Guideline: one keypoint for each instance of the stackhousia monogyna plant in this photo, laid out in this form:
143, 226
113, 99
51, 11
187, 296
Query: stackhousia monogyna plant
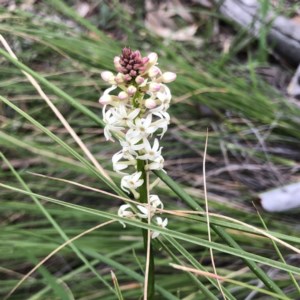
135, 111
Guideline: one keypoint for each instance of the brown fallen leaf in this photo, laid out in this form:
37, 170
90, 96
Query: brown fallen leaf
160, 20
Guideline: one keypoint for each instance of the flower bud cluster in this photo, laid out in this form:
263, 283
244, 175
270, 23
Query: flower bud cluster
135, 111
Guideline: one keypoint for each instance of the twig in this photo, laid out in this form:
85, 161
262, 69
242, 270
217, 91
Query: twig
207, 217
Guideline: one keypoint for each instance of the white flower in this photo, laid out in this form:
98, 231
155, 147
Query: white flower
144, 212
111, 124
150, 153
141, 127
168, 77
162, 223
131, 145
132, 182
163, 122
163, 99
154, 204
122, 116
163, 115
157, 164
119, 165
106, 98
125, 212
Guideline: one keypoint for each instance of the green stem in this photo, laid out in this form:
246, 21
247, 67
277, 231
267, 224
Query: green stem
143, 191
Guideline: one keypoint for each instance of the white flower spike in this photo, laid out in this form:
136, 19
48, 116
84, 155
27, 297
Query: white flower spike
135, 111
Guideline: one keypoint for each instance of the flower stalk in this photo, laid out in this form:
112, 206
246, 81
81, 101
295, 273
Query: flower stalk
135, 111
144, 198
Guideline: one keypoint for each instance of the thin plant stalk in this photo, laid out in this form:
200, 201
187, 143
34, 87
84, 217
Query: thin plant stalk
207, 216
144, 198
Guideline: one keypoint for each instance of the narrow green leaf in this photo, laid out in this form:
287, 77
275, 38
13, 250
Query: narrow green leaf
54, 223
60, 291
226, 237
57, 91
65, 146
117, 287
129, 272
181, 236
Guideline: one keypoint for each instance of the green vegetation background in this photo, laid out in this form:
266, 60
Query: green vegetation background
253, 145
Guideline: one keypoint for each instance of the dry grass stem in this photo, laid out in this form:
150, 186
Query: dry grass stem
258, 230
54, 252
179, 213
207, 216
58, 114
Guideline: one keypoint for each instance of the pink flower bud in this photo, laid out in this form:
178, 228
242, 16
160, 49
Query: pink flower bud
152, 58
154, 87
107, 76
139, 80
117, 64
105, 99
168, 77
145, 60
119, 78
117, 61
127, 77
154, 71
150, 103
123, 95
131, 90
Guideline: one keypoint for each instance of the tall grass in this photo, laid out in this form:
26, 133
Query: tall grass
253, 135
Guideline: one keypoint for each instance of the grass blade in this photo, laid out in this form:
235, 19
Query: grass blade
226, 237
181, 236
